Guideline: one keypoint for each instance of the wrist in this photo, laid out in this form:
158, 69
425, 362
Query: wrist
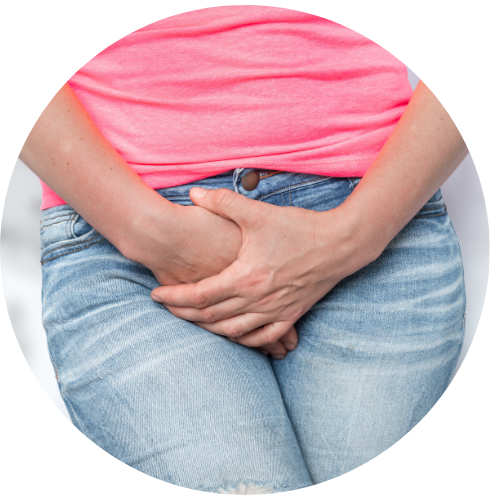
360, 236
147, 222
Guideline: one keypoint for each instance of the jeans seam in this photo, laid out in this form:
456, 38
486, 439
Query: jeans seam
281, 190
427, 216
69, 245
52, 224
69, 226
57, 217
73, 251
270, 175
432, 208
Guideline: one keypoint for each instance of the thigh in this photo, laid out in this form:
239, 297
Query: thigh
162, 395
377, 352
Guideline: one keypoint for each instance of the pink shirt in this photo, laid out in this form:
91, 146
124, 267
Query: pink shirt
204, 92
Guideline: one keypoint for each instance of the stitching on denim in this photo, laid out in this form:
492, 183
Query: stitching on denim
73, 251
53, 224
72, 225
432, 208
69, 232
294, 185
270, 175
58, 216
69, 245
426, 216
70, 218
290, 197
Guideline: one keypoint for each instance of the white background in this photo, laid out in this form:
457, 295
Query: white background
452, 453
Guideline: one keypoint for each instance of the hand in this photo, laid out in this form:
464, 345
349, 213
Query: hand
188, 244
290, 258
183, 244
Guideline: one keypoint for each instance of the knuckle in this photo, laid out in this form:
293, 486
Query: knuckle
269, 338
254, 281
199, 299
209, 315
271, 335
232, 331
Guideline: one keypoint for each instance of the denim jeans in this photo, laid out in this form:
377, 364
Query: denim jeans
189, 407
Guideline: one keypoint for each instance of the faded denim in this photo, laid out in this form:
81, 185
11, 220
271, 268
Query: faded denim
188, 407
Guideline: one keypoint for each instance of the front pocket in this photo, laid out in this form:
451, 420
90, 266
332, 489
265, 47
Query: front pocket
57, 227
65, 232
432, 209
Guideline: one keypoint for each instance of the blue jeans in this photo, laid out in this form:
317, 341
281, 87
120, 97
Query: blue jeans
188, 407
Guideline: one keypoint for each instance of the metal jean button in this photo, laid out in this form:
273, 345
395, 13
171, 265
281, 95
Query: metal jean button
250, 180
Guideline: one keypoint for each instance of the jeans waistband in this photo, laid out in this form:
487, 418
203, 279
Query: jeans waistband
271, 181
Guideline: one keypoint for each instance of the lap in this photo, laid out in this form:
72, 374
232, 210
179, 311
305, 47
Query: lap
377, 352
194, 409
157, 392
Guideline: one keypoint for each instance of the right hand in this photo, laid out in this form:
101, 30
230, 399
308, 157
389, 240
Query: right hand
187, 244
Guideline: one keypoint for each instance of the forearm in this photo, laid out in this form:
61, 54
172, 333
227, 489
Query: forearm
67, 151
421, 153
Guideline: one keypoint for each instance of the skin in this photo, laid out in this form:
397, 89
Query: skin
238, 284
67, 151
258, 298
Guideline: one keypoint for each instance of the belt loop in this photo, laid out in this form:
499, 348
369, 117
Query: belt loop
236, 177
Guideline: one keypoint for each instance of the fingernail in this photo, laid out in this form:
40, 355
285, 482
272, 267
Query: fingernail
156, 298
279, 356
289, 346
198, 192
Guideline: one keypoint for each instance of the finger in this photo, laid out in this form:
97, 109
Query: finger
277, 350
280, 348
227, 204
290, 339
217, 312
265, 335
238, 325
202, 294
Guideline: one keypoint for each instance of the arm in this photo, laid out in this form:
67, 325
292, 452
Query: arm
424, 149
267, 289
67, 151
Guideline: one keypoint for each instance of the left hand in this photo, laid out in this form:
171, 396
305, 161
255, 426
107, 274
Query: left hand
289, 259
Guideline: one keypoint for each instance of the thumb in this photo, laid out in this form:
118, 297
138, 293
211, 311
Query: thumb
226, 203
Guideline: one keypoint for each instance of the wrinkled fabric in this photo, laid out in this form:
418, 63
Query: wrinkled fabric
194, 409
201, 93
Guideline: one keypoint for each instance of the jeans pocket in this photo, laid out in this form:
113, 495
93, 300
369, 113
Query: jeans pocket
433, 208
65, 232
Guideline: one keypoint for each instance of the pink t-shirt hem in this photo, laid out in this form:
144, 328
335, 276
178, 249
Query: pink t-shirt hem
159, 180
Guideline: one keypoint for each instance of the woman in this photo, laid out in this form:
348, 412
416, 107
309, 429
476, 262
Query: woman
267, 178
